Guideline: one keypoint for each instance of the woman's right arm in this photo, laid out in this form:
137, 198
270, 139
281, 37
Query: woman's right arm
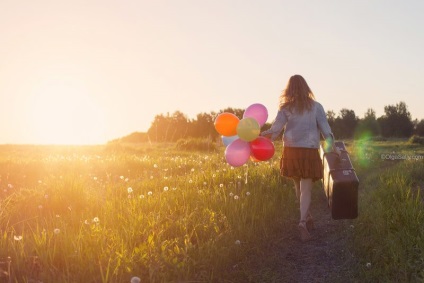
277, 126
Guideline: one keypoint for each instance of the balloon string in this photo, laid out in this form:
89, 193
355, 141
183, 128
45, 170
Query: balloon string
247, 171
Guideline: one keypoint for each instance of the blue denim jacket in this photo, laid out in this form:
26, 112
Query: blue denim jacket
301, 130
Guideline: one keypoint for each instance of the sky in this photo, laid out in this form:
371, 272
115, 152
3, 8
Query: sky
87, 72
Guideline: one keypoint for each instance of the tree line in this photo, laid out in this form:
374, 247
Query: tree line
395, 122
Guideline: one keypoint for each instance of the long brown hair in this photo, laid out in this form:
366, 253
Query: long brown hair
297, 95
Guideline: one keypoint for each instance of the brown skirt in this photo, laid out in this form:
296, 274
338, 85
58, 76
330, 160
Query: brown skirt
300, 162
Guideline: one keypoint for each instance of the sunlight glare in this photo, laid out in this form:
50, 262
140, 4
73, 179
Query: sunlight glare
64, 113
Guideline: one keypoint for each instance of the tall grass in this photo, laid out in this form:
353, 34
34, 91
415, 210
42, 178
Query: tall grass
105, 216
389, 238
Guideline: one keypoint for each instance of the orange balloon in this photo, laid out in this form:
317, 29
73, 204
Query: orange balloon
226, 124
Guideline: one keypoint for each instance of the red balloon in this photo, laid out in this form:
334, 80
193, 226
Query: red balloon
262, 148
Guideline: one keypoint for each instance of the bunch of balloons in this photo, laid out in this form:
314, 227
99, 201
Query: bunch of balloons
241, 137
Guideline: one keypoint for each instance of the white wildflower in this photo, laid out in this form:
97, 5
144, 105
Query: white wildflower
368, 265
17, 238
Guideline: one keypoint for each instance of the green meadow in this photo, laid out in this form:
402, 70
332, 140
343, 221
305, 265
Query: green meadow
170, 214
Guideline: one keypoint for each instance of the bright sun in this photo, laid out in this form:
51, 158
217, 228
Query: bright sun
64, 113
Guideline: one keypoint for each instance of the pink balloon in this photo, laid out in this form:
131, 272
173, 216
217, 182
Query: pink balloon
262, 148
237, 153
258, 112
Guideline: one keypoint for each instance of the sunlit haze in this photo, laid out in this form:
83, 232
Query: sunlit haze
86, 72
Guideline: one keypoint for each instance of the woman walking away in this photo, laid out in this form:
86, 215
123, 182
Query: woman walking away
303, 120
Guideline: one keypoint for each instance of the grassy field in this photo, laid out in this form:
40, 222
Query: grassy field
107, 214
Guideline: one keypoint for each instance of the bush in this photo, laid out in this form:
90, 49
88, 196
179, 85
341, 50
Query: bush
416, 140
196, 144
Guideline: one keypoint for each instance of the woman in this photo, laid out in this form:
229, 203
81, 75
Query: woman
304, 120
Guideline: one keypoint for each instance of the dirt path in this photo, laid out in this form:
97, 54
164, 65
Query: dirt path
326, 258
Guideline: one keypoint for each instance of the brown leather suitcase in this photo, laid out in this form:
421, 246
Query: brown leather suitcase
340, 183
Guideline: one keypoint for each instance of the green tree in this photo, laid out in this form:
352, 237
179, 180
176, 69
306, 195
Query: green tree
203, 126
368, 126
169, 128
345, 124
396, 122
419, 128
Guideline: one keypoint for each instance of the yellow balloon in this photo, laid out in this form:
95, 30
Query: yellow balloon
248, 129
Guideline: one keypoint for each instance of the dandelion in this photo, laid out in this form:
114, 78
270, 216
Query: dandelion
40, 182
96, 220
10, 186
149, 193
236, 197
56, 231
17, 238
126, 179
231, 194
213, 175
135, 279
165, 189
142, 196
95, 178
368, 265
174, 189
151, 177
129, 190
190, 181
155, 166
86, 222
57, 216
121, 177
204, 183
221, 185
247, 193
237, 242
192, 170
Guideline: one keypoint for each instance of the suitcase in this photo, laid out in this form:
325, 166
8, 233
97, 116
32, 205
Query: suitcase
340, 183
